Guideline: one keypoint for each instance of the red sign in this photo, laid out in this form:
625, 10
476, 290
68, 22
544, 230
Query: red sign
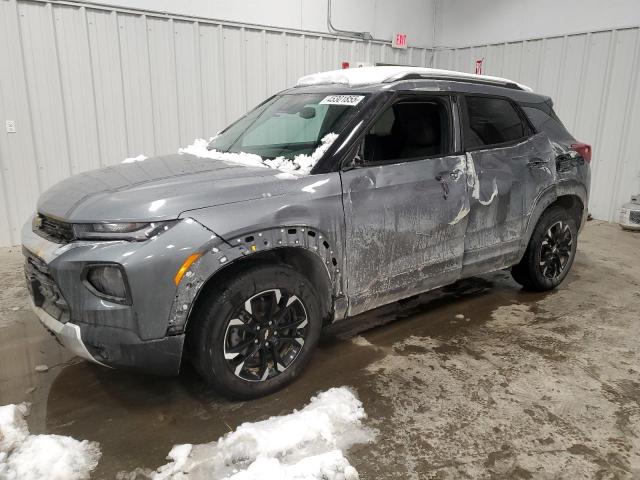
479, 66
399, 40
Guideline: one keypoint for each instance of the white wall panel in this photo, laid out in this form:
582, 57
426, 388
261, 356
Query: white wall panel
136, 74
470, 22
593, 79
90, 85
20, 176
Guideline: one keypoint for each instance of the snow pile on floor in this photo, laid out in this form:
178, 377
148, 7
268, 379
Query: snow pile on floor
303, 445
41, 457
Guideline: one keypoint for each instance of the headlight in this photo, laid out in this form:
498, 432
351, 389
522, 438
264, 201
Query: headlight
121, 231
107, 281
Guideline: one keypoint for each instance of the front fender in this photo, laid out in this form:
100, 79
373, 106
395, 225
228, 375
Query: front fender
218, 254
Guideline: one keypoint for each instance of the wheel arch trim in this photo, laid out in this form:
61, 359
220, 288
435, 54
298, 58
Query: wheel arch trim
547, 198
219, 256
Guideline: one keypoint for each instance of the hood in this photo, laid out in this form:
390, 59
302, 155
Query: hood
159, 188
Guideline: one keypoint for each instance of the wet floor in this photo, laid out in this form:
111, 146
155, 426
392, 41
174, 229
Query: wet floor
477, 380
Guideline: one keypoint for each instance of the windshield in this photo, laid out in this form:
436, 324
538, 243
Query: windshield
288, 125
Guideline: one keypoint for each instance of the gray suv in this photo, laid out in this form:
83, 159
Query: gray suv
354, 189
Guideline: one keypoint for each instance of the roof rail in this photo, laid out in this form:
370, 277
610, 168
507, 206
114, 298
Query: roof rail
479, 81
358, 77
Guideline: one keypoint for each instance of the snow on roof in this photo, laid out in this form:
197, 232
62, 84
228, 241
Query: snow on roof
358, 77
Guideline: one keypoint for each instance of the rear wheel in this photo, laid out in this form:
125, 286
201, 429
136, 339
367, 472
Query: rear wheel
550, 252
255, 334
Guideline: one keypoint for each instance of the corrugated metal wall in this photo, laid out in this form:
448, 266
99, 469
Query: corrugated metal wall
89, 86
593, 79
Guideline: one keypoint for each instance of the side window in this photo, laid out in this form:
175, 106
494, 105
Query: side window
409, 130
545, 120
490, 121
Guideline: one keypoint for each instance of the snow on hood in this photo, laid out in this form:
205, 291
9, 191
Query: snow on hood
300, 165
304, 445
139, 158
36, 457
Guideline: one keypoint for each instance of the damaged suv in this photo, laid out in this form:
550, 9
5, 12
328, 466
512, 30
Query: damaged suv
354, 189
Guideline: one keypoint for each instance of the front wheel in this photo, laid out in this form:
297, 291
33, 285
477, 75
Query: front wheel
255, 334
550, 252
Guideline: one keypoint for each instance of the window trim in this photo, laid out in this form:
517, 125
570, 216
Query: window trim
447, 100
465, 122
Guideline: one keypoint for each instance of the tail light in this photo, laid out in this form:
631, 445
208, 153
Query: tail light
583, 150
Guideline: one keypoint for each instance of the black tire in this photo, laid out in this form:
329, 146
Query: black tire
224, 324
548, 257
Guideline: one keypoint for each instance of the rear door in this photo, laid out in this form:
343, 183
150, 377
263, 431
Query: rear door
405, 206
501, 151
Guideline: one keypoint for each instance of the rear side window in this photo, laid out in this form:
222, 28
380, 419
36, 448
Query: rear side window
544, 119
492, 121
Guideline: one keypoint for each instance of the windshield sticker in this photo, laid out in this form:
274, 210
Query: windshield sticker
347, 100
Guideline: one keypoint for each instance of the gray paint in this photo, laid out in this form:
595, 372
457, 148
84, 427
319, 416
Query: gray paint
157, 189
382, 233
401, 232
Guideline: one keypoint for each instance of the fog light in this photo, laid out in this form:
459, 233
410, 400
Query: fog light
107, 281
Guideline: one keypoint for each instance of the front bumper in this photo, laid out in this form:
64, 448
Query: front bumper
133, 336
68, 334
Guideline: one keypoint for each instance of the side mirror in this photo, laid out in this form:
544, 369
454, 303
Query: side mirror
358, 158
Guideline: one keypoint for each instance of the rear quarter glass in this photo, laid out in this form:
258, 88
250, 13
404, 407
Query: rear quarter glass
544, 119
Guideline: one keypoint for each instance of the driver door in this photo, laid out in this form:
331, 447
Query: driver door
405, 206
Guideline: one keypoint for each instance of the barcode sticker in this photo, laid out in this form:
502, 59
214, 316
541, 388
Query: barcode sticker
347, 100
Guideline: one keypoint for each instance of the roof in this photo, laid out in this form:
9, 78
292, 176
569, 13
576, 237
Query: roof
359, 77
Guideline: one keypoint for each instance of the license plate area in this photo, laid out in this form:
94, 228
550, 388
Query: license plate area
43, 289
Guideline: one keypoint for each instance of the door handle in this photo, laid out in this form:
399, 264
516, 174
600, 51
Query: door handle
537, 162
444, 185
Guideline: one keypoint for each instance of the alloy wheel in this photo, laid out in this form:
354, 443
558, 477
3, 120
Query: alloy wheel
265, 335
555, 250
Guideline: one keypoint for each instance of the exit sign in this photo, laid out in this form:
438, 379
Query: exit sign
399, 40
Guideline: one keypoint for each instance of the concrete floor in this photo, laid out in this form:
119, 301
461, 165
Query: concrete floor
525, 386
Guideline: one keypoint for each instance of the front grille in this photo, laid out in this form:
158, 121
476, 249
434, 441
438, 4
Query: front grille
54, 230
634, 217
43, 289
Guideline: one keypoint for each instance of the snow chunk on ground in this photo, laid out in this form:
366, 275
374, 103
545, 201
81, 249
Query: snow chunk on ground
139, 158
325, 466
13, 427
41, 457
305, 444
